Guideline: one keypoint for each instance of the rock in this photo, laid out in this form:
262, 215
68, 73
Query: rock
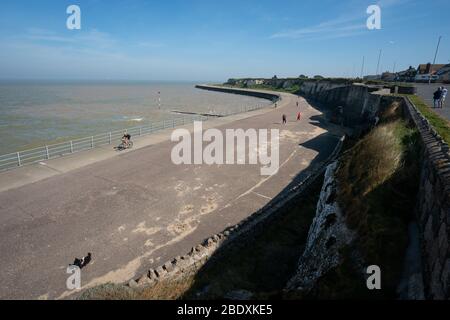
151, 274
144, 281
160, 271
327, 235
132, 284
168, 266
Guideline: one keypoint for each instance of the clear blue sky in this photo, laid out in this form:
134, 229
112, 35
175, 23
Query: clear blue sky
215, 40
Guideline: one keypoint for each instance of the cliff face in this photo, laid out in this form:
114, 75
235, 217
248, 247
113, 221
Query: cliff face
357, 102
328, 234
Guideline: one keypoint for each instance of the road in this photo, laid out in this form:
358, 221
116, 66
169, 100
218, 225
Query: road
425, 91
136, 210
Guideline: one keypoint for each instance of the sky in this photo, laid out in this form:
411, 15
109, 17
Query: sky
209, 40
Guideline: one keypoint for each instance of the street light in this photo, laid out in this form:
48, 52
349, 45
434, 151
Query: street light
435, 56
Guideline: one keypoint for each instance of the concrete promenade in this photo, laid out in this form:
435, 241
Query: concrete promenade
136, 209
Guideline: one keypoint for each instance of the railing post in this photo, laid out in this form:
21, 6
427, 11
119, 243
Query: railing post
48, 153
92, 142
18, 159
110, 138
173, 123
71, 146
140, 131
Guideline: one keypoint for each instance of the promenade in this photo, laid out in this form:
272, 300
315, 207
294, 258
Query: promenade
135, 209
425, 91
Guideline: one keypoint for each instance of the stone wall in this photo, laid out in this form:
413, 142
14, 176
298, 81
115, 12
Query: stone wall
433, 207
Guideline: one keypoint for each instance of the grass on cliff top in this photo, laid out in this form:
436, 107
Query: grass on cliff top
294, 89
440, 124
378, 182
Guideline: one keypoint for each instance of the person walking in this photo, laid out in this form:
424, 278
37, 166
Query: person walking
299, 116
284, 119
437, 98
444, 92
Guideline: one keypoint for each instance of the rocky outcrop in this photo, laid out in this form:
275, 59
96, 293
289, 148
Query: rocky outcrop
327, 235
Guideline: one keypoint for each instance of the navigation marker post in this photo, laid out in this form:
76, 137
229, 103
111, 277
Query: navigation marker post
159, 100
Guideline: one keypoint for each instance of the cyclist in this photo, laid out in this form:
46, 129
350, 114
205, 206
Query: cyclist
126, 139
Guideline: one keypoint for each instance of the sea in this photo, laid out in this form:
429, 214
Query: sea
37, 113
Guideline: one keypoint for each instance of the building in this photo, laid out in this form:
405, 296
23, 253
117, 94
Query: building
427, 72
429, 68
372, 77
388, 76
444, 73
406, 75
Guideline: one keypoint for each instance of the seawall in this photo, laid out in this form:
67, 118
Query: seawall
252, 93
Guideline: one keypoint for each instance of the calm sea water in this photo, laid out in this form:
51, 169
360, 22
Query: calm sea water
34, 114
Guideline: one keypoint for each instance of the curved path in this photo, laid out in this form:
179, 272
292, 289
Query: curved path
136, 210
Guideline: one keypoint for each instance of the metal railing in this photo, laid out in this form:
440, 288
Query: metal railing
51, 151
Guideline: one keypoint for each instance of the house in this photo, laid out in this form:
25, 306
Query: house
427, 72
372, 77
406, 75
444, 73
388, 76
429, 68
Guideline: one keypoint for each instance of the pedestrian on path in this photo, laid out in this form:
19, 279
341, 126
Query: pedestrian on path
444, 92
83, 262
437, 95
284, 119
297, 103
299, 116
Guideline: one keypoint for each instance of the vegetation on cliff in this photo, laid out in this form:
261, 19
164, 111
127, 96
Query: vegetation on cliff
377, 179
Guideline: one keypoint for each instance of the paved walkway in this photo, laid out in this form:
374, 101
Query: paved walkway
425, 91
135, 210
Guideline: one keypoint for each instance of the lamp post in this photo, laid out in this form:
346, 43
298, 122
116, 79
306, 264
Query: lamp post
362, 68
435, 56
378, 64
